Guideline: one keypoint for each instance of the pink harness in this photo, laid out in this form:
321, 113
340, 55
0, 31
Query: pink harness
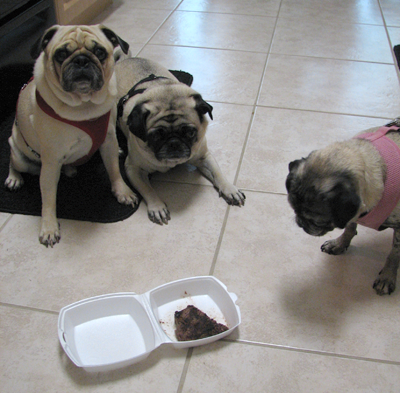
390, 153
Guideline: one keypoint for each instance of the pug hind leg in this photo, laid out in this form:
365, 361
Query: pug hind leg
14, 180
339, 246
385, 283
18, 164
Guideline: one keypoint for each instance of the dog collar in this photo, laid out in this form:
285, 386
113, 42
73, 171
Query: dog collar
390, 153
132, 92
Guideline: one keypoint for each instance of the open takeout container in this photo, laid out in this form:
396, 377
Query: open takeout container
115, 330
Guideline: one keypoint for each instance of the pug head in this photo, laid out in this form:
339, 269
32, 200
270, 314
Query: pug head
78, 59
170, 121
323, 197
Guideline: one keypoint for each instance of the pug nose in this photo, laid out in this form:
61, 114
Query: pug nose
81, 61
174, 143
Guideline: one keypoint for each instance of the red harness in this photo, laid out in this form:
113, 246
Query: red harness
95, 128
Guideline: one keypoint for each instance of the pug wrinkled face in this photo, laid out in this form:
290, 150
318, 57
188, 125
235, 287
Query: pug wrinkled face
172, 138
321, 202
80, 68
170, 124
80, 58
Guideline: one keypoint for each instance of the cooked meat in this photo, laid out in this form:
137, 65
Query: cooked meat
193, 324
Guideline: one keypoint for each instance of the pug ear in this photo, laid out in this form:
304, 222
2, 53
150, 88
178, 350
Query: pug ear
137, 122
291, 177
344, 202
115, 40
43, 41
294, 164
202, 107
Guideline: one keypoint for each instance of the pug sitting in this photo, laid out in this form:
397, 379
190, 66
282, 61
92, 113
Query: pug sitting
349, 183
165, 124
65, 113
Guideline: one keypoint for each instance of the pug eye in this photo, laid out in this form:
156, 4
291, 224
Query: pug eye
100, 53
189, 132
61, 55
157, 134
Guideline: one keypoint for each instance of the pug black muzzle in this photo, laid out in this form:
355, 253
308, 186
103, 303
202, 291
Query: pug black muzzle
168, 145
82, 75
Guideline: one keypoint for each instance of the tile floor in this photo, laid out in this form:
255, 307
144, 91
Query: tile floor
285, 77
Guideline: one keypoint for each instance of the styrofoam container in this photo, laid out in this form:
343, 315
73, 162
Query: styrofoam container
115, 330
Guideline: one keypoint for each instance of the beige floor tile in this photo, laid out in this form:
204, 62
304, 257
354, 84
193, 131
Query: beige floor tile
330, 39
134, 255
227, 367
235, 32
394, 34
222, 76
134, 25
33, 361
249, 7
279, 136
225, 138
3, 218
292, 294
148, 4
365, 11
391, 12
310, 322
331, 85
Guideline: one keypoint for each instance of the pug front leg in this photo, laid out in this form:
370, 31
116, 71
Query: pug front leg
109, 152
49, 177
385, 284
340, 245
156, 209
209, 167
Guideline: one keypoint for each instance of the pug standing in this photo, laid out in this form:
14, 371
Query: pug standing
349, 183
165, 124
67, 112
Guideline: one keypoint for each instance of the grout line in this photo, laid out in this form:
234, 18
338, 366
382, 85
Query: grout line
185, 370
159, 27
268, 52
6, 222
227, 13
390, 41
27, 308
220, 238
311, 351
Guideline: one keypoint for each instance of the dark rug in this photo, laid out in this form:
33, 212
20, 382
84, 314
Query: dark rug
85, 197
396, 50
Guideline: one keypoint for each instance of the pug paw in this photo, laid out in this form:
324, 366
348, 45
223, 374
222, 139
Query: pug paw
159, 214
49, 234
385, 284
333, 247
232, 195
125, 195
14, 181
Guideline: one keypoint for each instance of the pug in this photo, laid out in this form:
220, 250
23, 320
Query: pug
165, 124
349, 183
65, 113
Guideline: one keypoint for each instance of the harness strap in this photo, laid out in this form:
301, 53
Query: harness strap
132, 92
390, 153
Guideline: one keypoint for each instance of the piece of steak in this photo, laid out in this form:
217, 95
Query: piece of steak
193, 324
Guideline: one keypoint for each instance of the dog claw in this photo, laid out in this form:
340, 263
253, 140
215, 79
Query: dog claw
159, 216
383, 287
234, 199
